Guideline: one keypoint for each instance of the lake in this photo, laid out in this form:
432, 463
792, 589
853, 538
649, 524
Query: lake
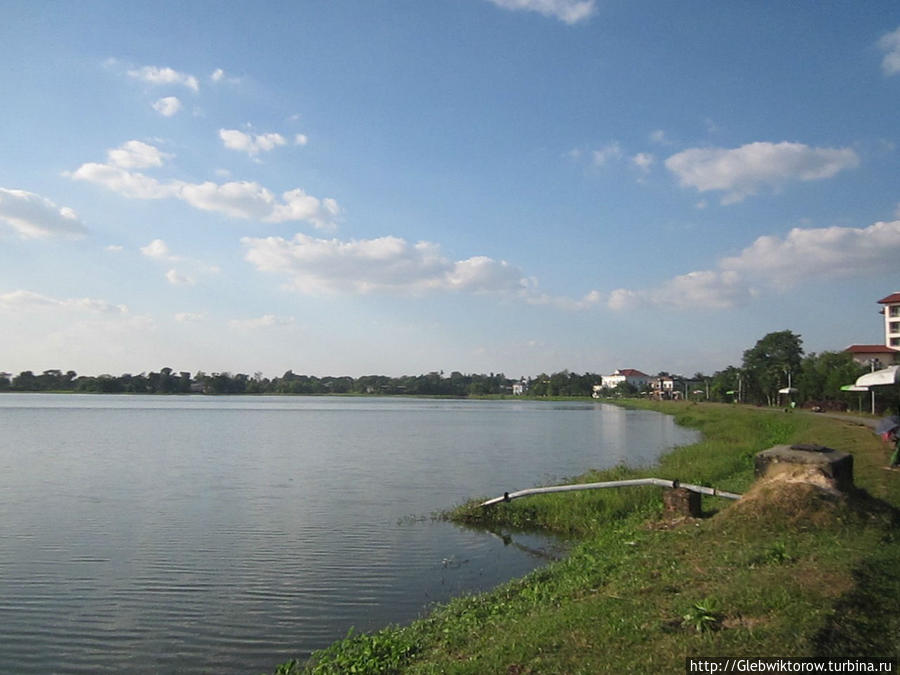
190, 534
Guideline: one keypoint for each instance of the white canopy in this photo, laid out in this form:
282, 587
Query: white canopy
885, 376
853, 387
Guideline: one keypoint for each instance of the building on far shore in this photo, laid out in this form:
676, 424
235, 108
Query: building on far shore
886, 354
633, 377
663, 388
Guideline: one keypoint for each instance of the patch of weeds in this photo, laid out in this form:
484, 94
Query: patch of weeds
290, 668
704, 616
364, 654
775, 554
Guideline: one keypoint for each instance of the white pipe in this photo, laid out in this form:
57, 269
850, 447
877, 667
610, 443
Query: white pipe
661, 482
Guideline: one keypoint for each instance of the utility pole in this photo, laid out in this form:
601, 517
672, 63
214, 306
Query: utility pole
872, 364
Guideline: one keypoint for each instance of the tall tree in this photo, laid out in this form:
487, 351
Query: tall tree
770, 363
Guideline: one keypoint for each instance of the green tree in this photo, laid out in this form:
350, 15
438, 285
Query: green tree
770, 363
823, 375
626, 390
728, 380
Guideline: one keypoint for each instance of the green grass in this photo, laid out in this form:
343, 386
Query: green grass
788, 572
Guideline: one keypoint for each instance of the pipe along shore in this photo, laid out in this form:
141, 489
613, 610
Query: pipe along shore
660, 482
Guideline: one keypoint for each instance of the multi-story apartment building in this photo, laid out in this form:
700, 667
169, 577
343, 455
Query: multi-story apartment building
891, 313
888, 353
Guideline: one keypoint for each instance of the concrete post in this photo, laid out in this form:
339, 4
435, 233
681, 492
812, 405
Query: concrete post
681, 502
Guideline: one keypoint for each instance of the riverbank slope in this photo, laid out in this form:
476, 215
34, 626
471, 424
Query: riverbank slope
788, 571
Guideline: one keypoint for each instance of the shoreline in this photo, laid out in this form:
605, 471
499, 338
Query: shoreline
549, 620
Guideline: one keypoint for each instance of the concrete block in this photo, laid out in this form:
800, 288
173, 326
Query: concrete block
816, 460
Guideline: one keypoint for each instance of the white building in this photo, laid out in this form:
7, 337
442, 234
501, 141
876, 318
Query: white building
633, 377
888, 353
664, 388
891, 313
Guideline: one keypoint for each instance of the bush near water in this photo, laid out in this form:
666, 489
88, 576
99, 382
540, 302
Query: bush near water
788, 570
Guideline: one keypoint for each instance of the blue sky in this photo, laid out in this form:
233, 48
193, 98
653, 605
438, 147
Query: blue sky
402, 186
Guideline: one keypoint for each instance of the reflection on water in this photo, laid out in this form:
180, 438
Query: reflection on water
183, 534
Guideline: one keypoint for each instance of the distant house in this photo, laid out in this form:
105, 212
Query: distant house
888, 353
520, 388
663, 387
633, 377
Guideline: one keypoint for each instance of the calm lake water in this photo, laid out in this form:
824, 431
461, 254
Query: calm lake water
197, 534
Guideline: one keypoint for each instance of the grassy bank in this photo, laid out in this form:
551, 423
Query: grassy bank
787, 571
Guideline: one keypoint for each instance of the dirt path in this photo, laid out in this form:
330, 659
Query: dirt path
851, 419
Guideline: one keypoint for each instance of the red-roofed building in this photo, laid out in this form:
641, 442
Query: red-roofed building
888, 353
864, 354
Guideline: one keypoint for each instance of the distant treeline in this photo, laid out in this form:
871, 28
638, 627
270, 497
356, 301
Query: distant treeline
776, 362
168, 381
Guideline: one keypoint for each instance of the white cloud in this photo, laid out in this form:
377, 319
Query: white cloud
22, 300
136, 155
99, 335
643, 161
300, 139
115, 248
128, 184
252, 201
158, 250
607, 153
218, 76
252, 144
168, 106
297, 205
567, 11
35, 217
743, 171
264, 321
386, 264
237, 199
175, 278
481, 274
658, 136
708, 289
158, 76
190, 317
890, 45
776, 262
828, 252
589, 300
